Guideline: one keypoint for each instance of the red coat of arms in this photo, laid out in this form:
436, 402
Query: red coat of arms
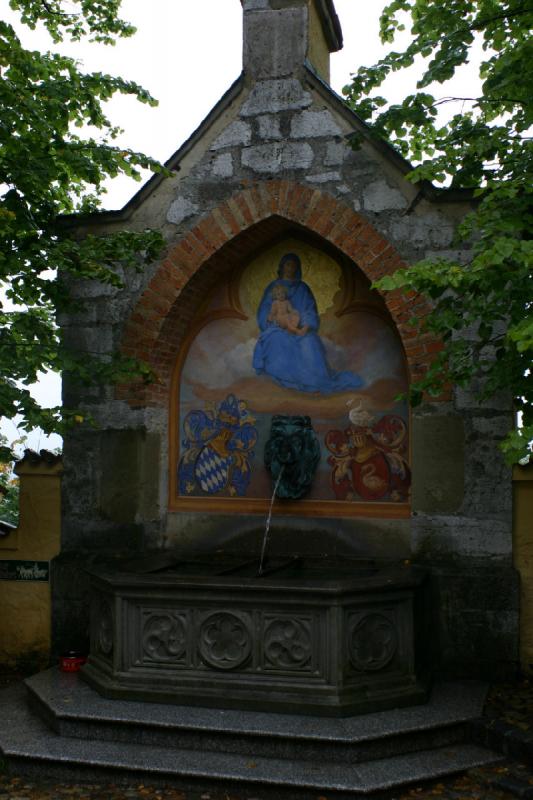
370, 463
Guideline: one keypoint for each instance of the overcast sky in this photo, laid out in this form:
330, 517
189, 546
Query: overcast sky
187, 54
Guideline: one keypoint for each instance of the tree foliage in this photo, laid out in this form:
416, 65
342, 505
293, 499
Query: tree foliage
482, 310
9, 495
57, 146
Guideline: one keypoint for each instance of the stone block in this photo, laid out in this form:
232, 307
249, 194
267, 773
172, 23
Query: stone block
335, 154
156, 420
180, 209
478, 609
488, 480
117, 415
269, 127
130, 468
438, 452
70, 602
379, 196
222, 166
275, 42
87, 315
240, 533
273, 96
278, 156
313, 124
113, 310
255, 5
324, 177
493, 588
420, 230
149, 472
238, 134
80, 481
94, 340
88, 290
134, 281
214, 191
468, 399
459, 256
362, 164
445, 538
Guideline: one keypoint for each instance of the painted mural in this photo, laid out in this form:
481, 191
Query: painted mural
289, 348
294, 332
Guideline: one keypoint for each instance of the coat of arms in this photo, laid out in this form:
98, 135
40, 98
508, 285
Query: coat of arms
218, 447
369, 459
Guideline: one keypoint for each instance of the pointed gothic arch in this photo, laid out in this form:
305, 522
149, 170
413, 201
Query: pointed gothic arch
233, 231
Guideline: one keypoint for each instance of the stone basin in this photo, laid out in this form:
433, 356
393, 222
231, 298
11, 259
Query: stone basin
308, 636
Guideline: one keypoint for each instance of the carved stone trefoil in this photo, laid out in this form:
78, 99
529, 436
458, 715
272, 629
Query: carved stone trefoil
288, 644
373, 643
164, 637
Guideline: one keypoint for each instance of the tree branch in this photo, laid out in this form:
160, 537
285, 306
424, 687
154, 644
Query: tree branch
60, 14
478, 100
482, 23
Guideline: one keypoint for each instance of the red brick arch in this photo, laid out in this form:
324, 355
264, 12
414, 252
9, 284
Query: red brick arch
239, 226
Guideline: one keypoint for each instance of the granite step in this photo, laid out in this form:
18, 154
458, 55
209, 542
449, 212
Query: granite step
30, 747
73, 709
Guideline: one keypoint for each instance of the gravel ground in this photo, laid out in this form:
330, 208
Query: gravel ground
512, 703
502, 782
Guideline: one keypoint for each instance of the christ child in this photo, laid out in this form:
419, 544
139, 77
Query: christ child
282, 312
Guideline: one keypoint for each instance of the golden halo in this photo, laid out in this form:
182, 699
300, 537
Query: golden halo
319, 271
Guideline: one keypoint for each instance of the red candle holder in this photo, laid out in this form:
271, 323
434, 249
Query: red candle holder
72, 661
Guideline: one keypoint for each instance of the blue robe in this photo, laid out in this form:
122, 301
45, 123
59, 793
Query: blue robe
297, 362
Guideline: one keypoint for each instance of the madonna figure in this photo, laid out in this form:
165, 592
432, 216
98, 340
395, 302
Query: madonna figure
289, 348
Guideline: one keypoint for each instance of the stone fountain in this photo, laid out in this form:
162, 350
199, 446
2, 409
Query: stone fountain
398, 560
312, 636
307, 637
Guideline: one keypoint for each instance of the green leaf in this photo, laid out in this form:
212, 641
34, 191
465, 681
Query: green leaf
49, 169
488, 148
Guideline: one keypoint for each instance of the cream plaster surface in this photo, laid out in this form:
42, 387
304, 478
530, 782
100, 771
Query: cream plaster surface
523, 558
25, 625
318, 50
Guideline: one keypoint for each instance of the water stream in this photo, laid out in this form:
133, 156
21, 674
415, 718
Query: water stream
267, 525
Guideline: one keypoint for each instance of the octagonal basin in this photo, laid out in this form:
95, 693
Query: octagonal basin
311, 636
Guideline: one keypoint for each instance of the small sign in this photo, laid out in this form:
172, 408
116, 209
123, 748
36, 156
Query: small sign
25, 571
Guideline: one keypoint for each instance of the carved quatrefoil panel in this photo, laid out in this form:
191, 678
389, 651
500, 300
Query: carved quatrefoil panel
225, 640
372, 642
